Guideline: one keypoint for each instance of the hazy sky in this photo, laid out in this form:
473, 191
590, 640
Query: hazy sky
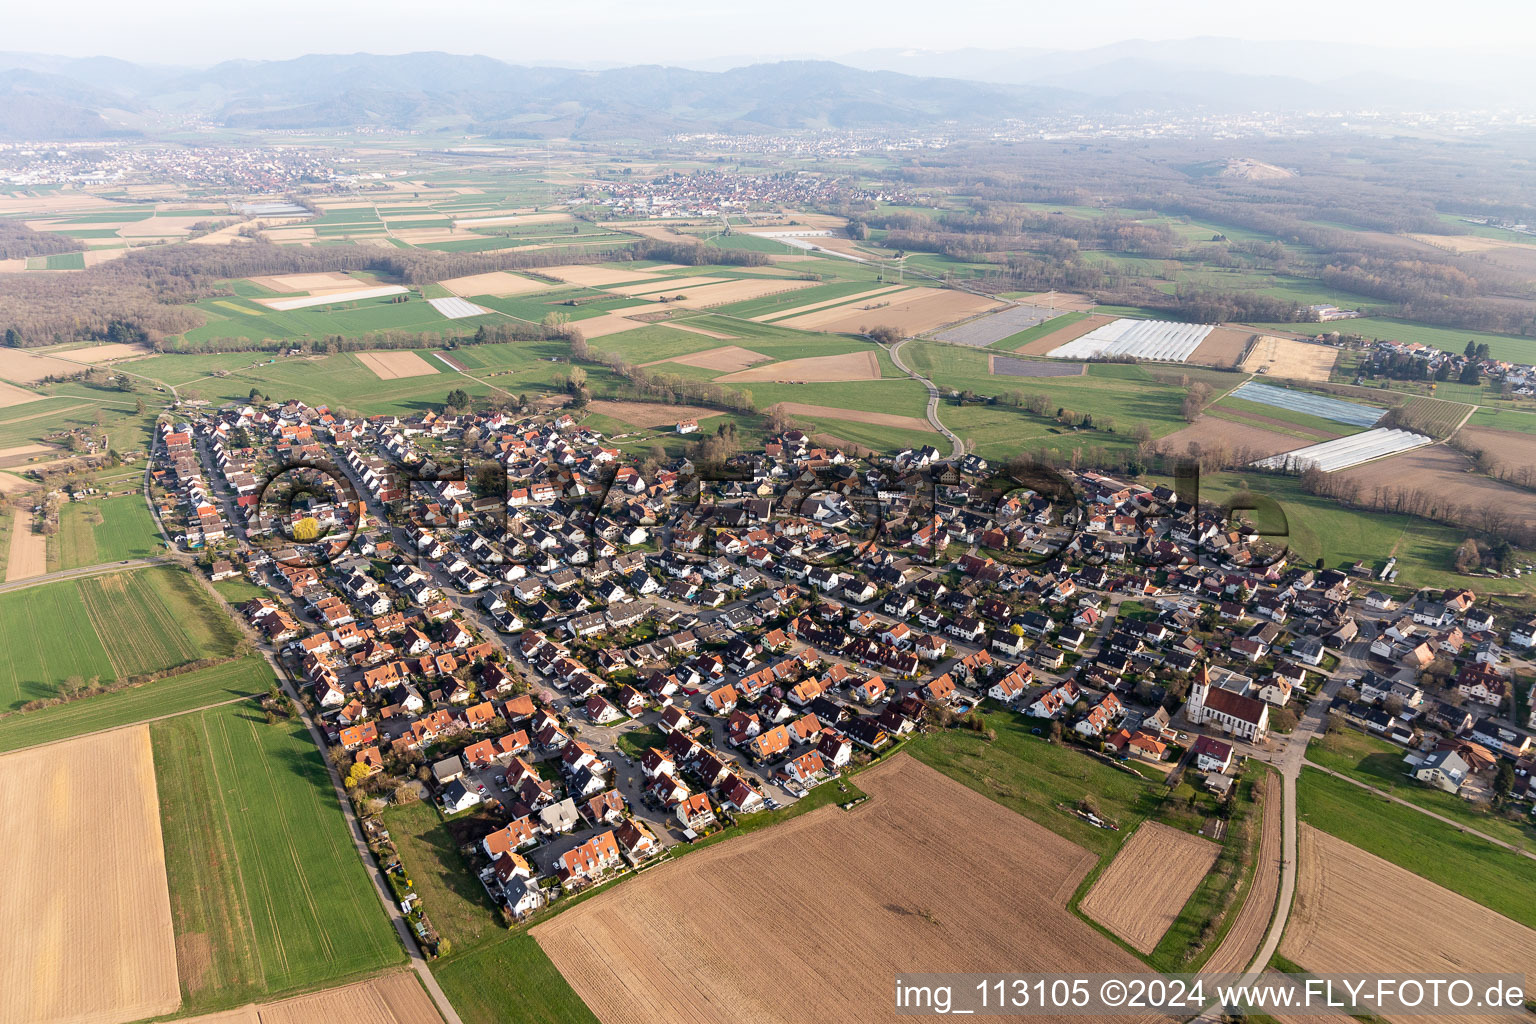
676, 31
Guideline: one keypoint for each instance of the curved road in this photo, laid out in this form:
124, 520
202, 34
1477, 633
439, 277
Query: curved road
957, 446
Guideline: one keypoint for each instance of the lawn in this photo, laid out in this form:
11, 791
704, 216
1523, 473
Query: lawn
170, 696
452, 897
1478, 870
109, 530
1380, 764
268, 892
111, 626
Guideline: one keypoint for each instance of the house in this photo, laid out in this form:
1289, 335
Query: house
806, 769
458, 797
695, 813
448, 770
1443, 769
588, 861
1212, 755
636, 840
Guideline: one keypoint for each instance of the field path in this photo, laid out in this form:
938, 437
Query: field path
957, 446
1458, 826
84, 570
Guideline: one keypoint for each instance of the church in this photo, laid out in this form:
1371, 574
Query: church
1236, 714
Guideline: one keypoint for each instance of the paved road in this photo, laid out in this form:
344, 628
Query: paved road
84, 570
957, 446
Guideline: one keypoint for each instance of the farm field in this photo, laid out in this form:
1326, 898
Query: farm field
395, 998
267, 891
863, 365
26, 549
125, 529
1223, 347
1461, 494
1336, 410
1507, 448
1380, 764
1140, 894
11, 395
1008, 366
510, 980
1343, 453
1465, 864
632, 957
994, 327
726, 359
152, 618
1159, 340
1057, 333
174, 695
393, 365
1215, 433
1289, 359
1337, 925
98, 942
1434, 416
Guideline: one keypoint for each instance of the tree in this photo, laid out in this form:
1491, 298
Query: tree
1504, 779
458, 398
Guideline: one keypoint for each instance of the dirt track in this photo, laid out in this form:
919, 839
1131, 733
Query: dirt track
89, 934
1252, 921
1140, 894
812, 919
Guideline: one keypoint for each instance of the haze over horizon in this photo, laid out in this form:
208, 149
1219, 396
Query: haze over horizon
692, 33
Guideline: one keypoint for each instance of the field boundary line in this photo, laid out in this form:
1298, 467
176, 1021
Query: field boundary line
293, 852
234, 851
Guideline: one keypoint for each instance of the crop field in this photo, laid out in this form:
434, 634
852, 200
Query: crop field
1289, 359
97, 940
1008, 366
106, 530
1347, 452
1140, 894
1485, 874
1509, 449
267, 891
1213, 433
1337, 923
783, 306
395, 998
911, 312
394, 365
1464, 495
22, 367
726, 359
1053, 337
1223, 347
632, 957
174, 695
850, 366
1435, 417
1338, 410
1282, 421
1158, 340
994, 327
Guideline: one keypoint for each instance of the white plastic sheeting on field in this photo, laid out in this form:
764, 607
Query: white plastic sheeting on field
1337, 409
1344, 452
1160, 340
456, 309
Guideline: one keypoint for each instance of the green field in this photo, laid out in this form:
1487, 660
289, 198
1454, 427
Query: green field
511, 980
171, 696
1449, 339
109, 627
1380, 764
1478, 870
126, 530
268, 893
